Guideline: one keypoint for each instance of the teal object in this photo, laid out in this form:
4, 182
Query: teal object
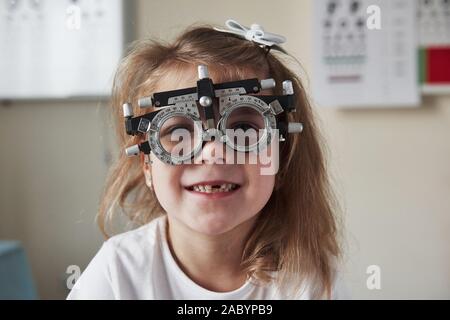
16, 281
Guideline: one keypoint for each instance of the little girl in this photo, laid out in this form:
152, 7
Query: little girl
257, 236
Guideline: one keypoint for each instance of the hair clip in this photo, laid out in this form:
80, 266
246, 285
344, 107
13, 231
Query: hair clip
255, 34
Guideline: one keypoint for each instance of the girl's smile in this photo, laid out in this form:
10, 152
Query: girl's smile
212, 190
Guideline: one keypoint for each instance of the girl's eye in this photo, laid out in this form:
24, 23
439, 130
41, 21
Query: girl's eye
174, 128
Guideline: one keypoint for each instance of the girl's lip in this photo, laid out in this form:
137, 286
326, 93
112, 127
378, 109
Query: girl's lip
213, 195
212, 183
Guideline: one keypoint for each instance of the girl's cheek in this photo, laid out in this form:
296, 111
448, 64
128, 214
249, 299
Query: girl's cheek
258, 180
162, 180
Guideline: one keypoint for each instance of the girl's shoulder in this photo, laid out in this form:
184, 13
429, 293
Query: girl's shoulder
140, 239
126, 255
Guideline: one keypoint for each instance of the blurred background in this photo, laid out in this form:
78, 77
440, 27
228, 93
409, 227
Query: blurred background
389, 161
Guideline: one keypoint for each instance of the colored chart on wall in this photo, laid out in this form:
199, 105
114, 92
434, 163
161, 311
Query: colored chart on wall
434, 45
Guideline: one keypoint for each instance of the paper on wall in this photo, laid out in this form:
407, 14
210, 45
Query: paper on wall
355, 66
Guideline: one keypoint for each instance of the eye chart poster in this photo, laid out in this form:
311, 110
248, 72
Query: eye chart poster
59, 49
365, 53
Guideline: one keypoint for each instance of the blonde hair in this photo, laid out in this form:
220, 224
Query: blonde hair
296, 233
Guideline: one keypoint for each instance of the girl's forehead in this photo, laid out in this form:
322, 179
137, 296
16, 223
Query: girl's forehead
187, 76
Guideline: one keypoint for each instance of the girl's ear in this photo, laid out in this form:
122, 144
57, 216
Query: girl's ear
148, 178
146, 167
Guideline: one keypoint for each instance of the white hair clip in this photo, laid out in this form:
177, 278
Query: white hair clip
255, 33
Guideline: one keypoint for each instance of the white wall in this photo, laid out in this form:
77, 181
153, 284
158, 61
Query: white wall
391, 168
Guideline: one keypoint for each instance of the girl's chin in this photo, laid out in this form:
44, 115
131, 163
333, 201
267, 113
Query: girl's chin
213, 224
218, 224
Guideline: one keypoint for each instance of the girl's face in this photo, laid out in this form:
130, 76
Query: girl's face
208, 213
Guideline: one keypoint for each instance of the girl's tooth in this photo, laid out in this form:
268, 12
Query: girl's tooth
226, 187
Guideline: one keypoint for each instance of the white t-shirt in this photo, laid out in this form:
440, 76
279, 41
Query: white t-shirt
138, 264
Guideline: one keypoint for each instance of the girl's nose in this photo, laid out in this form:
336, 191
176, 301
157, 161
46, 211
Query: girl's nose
213, 151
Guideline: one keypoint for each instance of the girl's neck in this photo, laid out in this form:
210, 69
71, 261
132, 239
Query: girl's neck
213, 262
